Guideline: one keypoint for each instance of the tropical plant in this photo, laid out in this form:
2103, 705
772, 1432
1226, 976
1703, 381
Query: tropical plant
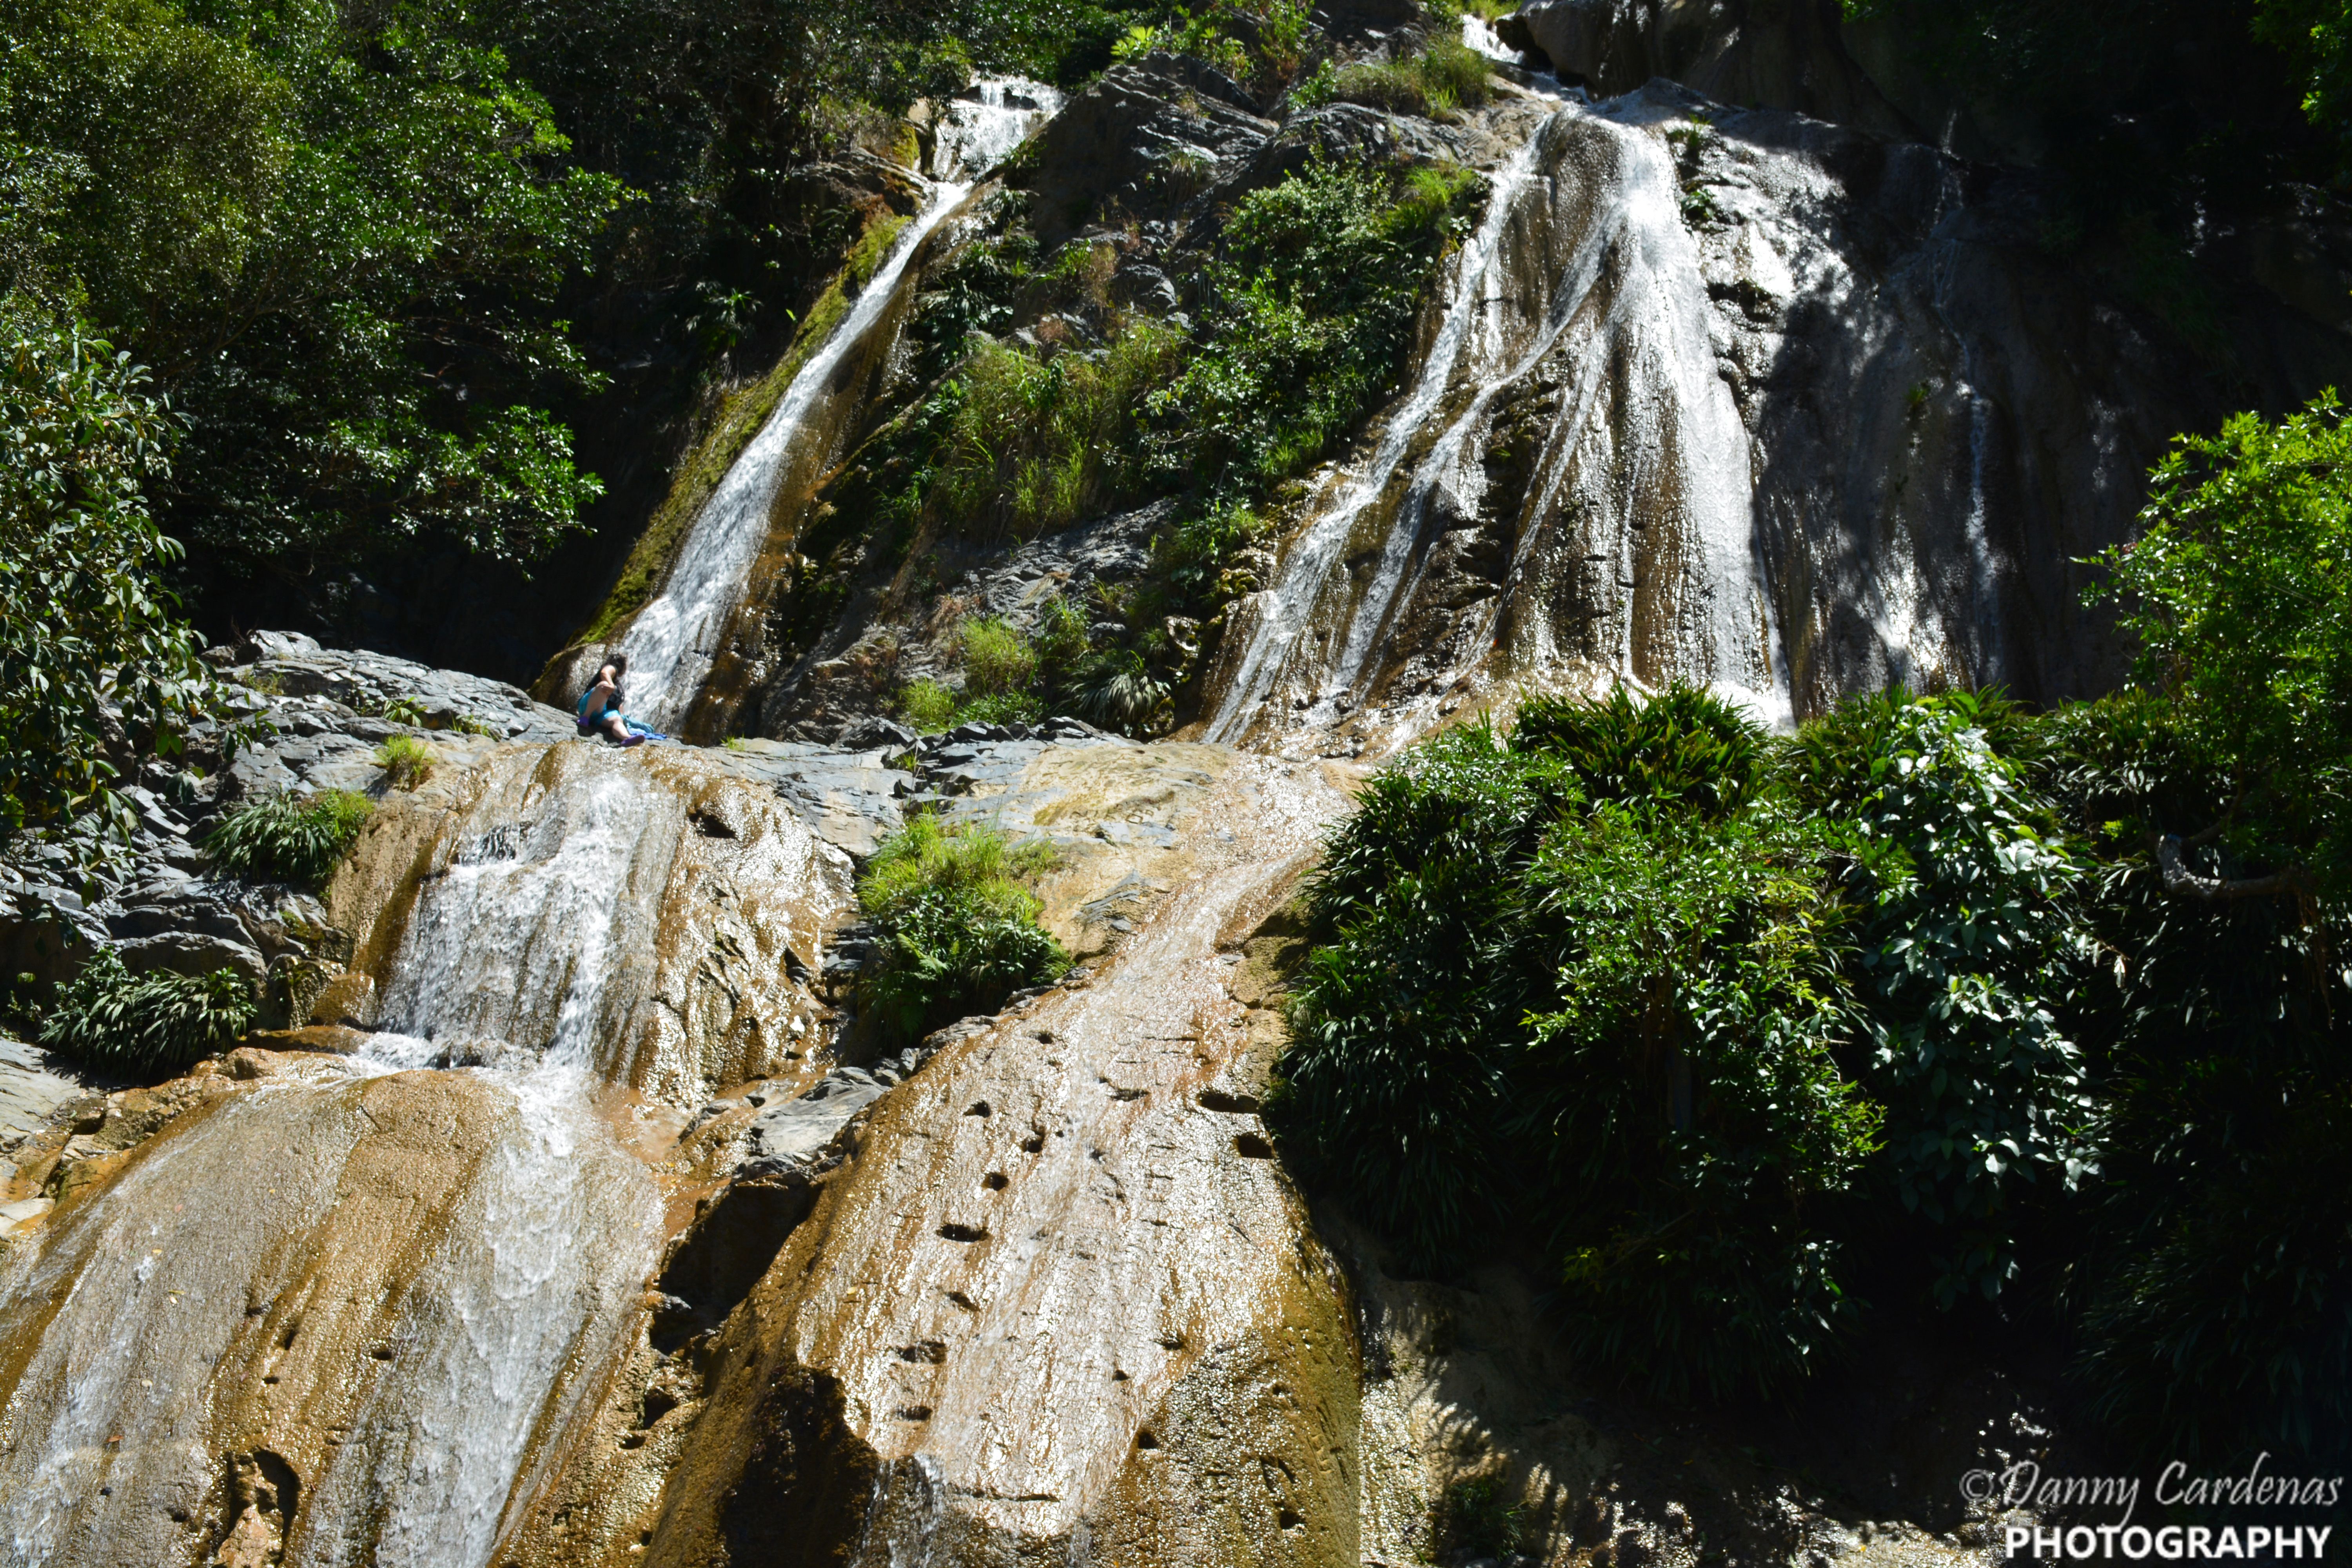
996, 657
1965, 944
1612, 1020
94, 661
2203, 1271
338, 239
958, 925
1038, 441
2239, 592
1682, 747
288, 837
1306, 312
1683, 1090
927, 705
148, 1023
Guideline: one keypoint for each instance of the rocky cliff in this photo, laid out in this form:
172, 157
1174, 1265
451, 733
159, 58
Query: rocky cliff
561, 1211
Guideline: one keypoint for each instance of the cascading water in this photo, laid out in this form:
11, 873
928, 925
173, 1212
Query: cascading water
974, 134
673, 641
1309, 582
1645, 459
389, 1284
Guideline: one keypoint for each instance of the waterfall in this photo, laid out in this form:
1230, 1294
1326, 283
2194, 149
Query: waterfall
974, 134
673, 641
1645, 463
396, 1275
1307, 576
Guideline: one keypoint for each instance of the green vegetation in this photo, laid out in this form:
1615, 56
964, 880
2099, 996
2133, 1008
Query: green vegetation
1938, 1001
2240, 591
92, 652
1474, 1518
288, 837
958, 922
1445, 76
1038, 444
306, 228
405, 761
1307, 313
927, 706
1258, 43
153, 1024
375, 257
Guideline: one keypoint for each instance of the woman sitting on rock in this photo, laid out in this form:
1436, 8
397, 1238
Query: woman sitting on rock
600, 709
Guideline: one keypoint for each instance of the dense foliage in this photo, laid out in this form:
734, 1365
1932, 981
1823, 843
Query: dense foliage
93, 660
957, 924
1305, 315
1751, 1038
2239, 592
155, 1024
1934, 1001
288, 837
382, 258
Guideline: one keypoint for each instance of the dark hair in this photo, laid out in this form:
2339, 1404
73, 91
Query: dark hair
619, 661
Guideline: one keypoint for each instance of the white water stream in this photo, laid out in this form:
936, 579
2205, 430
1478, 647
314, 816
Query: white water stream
673, 641
1645, 434
517, 953
1307, 578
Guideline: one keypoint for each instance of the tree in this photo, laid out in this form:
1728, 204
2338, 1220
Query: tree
93, 658
338, 239
2240, 591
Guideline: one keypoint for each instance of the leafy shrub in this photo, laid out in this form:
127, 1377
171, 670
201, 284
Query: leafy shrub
2210, 1303
1041, 440
288, 837
1000, 708
2239, 592
156, 1023
1308, 314
1683, 747
85, 622
960, 928
1964, 942
405, 761
1260, 43
1446, 75
1614, 1023
1682, 1089
1393, 1081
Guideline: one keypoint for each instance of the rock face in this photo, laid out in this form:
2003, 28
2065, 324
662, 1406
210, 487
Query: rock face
1741, 398
1755, 54
1053, 1296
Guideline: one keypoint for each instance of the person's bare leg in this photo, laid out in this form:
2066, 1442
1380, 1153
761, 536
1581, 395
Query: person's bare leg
616, 729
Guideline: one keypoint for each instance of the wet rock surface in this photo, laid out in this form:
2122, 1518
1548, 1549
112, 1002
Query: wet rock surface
1045, 1292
